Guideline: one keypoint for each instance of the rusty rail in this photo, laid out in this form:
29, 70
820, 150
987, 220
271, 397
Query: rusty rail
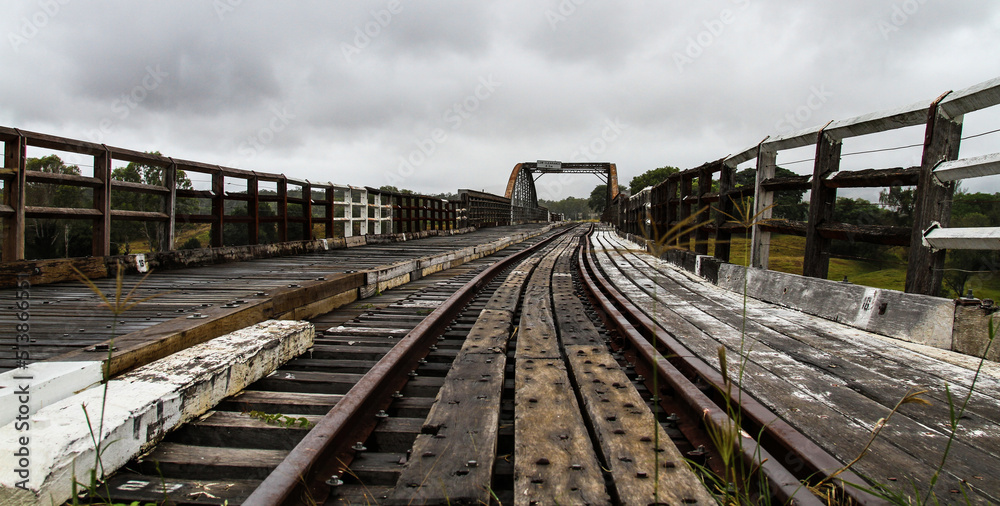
325, 451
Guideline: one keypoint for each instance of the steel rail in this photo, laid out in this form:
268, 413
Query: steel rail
325, 450
779, 438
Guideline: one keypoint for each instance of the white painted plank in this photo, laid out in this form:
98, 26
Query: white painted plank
966, 168
980, 96
985, 238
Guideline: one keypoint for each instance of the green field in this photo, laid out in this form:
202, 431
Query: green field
787, 252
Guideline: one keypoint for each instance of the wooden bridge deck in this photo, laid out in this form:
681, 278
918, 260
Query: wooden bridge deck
67, 317
832, 381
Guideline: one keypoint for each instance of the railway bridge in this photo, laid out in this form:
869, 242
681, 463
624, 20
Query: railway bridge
339, 345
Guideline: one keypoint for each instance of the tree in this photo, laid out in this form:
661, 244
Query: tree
52, 238
788, 204
570, 207
650, 178
598, 198
125, 231
964, 265
900, 201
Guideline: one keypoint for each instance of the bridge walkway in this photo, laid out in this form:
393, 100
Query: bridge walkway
833, 382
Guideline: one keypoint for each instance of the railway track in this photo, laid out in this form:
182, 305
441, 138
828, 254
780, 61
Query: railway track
497, 382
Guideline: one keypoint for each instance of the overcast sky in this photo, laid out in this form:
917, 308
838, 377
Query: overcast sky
436, 96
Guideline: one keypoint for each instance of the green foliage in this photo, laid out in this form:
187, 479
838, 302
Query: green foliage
54, 238
900, 202
123, 232
238, 234
788, 204
650, 178
598, 200
192, 243
573, 208
389, 188
963, 266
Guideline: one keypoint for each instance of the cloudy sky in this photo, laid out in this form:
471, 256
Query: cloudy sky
436, 96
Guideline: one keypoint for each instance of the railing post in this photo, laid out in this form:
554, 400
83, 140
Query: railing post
760, 240
723, 237
672, 206
685, 205
816, 262
328, 222
169, 206
218, 207
933, 201
253, 209
307, 211
15, 158
701, 234
283, 209
102, 202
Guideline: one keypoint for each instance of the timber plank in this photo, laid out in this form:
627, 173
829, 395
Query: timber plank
281, 402
643, 473
181, 490
210, 463
556, 462
462, 428
233, 429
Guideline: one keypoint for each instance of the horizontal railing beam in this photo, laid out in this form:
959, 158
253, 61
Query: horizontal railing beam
976, 238
966, 168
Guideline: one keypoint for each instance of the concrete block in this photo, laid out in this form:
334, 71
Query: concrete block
47, 382
141, 406
971, 332
915, 318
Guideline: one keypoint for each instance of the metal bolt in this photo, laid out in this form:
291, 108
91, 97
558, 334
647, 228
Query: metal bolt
472, 463
359, 446
397, 395
381, 414
335, 481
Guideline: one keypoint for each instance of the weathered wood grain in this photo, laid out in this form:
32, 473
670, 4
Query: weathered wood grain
555, 460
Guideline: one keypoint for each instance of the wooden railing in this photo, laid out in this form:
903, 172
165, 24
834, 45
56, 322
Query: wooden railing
651, 213
300, 209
